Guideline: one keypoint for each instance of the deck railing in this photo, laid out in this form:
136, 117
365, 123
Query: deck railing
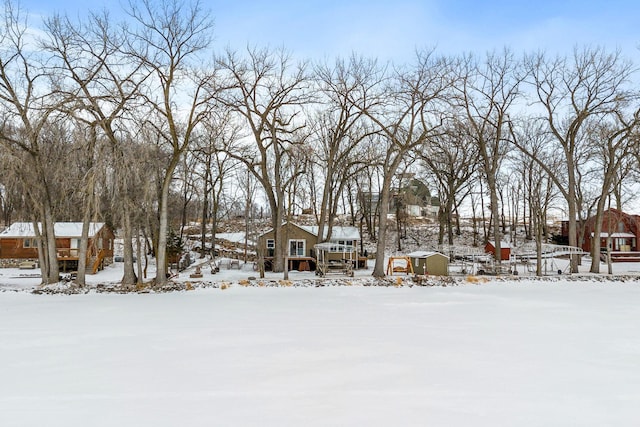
72, 253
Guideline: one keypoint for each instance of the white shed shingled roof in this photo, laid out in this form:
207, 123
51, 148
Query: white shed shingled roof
425, 254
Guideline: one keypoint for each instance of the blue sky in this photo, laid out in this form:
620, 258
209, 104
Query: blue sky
394, 29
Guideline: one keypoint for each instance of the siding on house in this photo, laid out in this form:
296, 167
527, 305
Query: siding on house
309, 235
505, 249
18, 242
622, 228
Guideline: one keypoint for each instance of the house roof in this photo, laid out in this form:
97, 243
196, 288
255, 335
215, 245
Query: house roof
503, 244
337, 232
425, 254
604, 235
61, 229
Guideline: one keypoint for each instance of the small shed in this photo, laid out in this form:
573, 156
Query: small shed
433, 263
505, 249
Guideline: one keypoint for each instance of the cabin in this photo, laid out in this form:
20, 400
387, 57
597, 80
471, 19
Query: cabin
619, 229
433, 263
301, 240
18, 245
505, 249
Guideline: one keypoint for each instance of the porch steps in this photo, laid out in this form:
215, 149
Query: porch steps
98, 261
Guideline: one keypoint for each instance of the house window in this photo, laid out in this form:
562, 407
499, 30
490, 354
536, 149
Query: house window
296, 248
29, 243
271, 247
342, 246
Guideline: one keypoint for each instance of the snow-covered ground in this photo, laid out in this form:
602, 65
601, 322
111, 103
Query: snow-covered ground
12, 279
501, 353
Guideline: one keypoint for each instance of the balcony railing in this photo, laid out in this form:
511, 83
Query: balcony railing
71, 253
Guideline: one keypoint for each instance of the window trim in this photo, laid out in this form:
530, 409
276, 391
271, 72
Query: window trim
304, 247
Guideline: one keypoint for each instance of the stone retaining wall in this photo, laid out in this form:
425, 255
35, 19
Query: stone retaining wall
15, 263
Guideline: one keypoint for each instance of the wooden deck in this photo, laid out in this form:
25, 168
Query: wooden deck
632, 256
68, 254
297, 263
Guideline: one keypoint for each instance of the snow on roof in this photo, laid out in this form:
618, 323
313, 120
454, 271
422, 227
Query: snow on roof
503, 244
337, 232
424, 254
61, 229
605, 235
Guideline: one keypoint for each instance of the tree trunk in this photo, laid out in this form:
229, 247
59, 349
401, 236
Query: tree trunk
539, 231
53, 273
82, 255
42, 259
595, 241
129, 275
205, 212
493, 194
378, 269
281, 244
442, 223
163, 223
139, 255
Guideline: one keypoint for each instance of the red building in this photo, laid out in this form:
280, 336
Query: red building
505, 250
18, 243
620, 230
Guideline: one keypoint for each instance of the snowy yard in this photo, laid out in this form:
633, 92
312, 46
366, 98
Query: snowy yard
526, 353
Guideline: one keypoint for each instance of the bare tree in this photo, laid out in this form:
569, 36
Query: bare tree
168, 39
267, 94
11, 199
26, 109
487, 92
613, 142
368, 185
100, 85
215, 166
571, 90
539, 188
405, 107
339, 129
452, 158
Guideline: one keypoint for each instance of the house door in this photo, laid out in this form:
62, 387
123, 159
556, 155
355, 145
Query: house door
296, 248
